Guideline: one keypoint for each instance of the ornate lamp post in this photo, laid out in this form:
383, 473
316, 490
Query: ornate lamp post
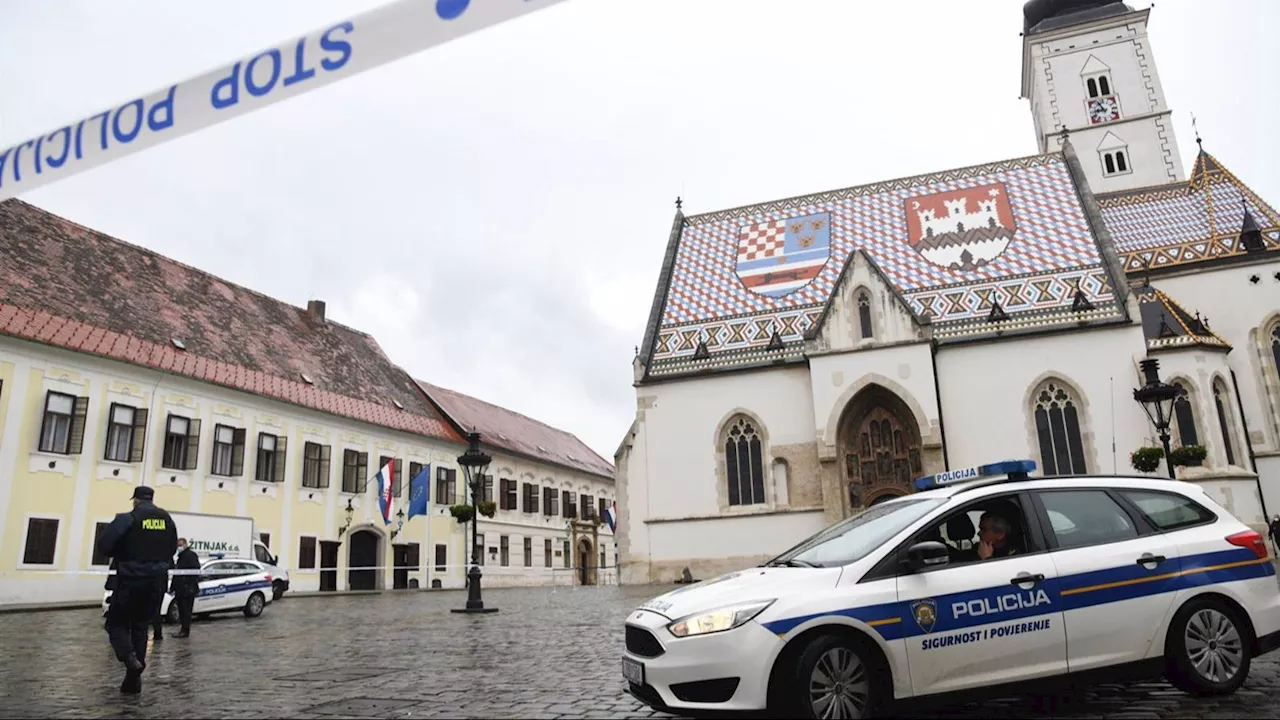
474, 463
350, 510
1157, 398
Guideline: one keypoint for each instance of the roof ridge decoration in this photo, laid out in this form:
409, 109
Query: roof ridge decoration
1184, 223
49, 329
1167, 325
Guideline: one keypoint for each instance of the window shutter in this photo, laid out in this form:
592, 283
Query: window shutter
282, 446
399, 479
44, 420
325, 451
79, 415
362, 472
193, 444
139, 435
237, 452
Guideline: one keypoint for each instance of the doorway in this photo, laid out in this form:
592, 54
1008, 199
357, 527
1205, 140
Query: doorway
329, 565
405, 560
362, 554
584, 562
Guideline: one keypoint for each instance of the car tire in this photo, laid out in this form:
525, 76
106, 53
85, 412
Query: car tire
254, 605
172, 616
277, 590
842, 666
1209, 648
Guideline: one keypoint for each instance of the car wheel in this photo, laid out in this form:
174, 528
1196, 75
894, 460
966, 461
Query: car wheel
834, 678
1208, 650
277, 590
253, 608
172, 615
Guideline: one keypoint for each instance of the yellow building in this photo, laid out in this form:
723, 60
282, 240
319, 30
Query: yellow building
119, 367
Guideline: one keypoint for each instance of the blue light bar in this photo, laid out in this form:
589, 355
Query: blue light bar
1012, 468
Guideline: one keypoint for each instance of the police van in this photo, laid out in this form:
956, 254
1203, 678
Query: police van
226, 585
987, 580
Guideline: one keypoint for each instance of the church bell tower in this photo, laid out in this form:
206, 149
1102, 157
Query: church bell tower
1088, 68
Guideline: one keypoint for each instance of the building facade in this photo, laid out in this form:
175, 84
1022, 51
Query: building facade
806, 358
119, 367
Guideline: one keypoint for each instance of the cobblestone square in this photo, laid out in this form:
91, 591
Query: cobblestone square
547, 654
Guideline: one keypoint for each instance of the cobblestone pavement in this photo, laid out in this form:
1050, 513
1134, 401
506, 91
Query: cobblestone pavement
404, 655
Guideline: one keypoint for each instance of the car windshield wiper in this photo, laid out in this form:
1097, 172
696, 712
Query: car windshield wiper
791, 563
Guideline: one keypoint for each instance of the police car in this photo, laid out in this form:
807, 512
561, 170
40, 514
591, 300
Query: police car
225, 586
985, 579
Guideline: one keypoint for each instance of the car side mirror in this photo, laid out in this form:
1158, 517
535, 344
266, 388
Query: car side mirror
927, 554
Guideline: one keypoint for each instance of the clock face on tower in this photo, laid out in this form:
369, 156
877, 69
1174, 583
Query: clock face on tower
1102, 109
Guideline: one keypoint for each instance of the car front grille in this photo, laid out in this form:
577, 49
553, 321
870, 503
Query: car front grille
641, 642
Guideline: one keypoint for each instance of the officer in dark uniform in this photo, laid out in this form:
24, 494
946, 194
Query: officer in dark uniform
141, 544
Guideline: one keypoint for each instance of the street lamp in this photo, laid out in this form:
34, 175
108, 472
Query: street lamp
474, 463
350, 511
1156, 398
399, 524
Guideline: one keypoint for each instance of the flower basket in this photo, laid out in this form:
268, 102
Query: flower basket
487, 508
1189, 456
1146, 459
462, 513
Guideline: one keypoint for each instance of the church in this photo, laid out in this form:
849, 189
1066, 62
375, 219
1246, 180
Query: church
807, 358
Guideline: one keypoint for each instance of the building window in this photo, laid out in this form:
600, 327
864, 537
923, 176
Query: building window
588, 506
508, 495
42, 541
1222, 399
98, 557
530, 498
546, 552
504, 550
126, 433
550, 502
1115, 162
442, 557
355, 471
446, 486
271, 456
864, 314
602, 562
487, 488
228, 451
1275, 348
415, 469
1098, 85
528, 552
181, 443
315, 465
566, 553
744, 464
1184, 418
62, 430
306, 553
480, 548
570, 502
1057, 416
604, 508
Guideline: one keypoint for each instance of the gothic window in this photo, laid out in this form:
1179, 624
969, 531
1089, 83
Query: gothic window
1057, 416
1098, 85
1275, 347
744, 463
1221, 401
1115, 163
1185, 419
864, 313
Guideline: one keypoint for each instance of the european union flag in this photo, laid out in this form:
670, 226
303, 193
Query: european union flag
419, 492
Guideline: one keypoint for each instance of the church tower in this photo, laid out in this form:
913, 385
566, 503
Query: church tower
1088, 68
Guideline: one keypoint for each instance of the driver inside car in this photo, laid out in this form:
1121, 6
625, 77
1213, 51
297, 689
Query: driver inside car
994, 538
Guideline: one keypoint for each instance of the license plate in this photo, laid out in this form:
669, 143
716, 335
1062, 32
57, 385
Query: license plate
633, 671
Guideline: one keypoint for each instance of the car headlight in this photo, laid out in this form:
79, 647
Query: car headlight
718, 620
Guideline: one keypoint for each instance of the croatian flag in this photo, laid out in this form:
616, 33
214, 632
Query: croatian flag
386, 483
611, 517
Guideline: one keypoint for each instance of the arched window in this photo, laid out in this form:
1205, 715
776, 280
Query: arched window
744, 463
1110, 162
1121, 164
1104, 86
1093, 87
1275, 347
1185, 419
1057, 416
1222, 401
864, 313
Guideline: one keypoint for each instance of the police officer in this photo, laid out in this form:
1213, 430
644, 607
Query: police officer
141, 543
186, 587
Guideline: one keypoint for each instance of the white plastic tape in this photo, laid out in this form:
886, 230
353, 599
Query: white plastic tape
314, 60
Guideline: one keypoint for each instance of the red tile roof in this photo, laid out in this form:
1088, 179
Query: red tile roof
65, 285
509, 430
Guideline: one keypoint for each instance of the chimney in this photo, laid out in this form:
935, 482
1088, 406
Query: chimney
315, 310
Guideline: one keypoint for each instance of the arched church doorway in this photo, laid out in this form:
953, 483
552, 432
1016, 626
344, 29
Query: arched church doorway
879, 440
584, 562
362, 553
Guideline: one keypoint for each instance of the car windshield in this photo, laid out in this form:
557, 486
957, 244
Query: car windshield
850, 540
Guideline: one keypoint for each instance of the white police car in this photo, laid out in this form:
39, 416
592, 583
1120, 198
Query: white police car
1108, 576
225, 586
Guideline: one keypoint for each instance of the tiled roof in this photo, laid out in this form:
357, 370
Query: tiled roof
1013, 233
1188, 222
509, 430
1167, 325
64, 285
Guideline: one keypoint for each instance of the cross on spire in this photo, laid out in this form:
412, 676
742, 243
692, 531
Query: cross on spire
1199, 142
679, 203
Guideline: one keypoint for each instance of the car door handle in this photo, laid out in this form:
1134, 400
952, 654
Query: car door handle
1025, 578
1148, 559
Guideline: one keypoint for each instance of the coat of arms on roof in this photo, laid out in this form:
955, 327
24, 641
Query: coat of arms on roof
779, 257
961, 229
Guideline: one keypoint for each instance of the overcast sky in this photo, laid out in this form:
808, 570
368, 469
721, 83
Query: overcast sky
494, 211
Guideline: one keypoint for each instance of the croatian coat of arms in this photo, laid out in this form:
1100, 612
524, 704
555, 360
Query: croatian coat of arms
961, 229
926, 614
779, 257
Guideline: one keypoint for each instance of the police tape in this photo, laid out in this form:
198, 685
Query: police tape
500, 569
366, 41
